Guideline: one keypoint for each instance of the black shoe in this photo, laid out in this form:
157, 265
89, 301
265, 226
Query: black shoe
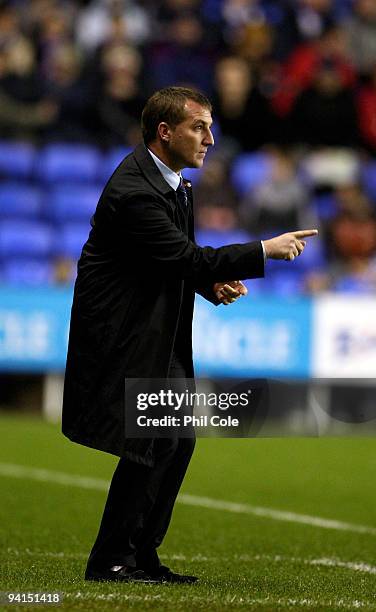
122, 574
164, 574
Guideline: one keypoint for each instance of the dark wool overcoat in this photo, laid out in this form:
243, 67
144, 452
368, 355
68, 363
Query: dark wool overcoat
137, 277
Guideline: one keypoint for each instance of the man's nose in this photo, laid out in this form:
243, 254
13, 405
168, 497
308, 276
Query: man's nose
209, 139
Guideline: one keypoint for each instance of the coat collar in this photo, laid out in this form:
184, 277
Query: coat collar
149, 169
171, 177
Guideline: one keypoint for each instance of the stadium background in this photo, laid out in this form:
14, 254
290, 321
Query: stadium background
294, 91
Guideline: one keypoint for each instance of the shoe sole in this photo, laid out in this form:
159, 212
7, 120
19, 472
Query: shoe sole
122, 579
94, 578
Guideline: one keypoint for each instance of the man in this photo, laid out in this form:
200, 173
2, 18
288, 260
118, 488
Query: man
132, 318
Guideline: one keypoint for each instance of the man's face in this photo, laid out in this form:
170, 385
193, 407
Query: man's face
190, 139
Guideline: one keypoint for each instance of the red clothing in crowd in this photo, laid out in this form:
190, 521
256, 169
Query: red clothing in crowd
367, 115
299, 72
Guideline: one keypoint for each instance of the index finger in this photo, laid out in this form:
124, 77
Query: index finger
304, 233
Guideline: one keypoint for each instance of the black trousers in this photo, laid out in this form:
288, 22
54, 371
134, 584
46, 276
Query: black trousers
140, 503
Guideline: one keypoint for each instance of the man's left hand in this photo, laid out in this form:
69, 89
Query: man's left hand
230, 291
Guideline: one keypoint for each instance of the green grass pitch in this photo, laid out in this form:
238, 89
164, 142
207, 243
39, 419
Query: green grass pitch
245, 558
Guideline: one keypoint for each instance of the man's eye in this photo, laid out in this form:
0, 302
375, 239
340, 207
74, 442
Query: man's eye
198, 127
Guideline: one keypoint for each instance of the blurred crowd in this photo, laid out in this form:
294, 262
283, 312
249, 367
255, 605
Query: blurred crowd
291, 80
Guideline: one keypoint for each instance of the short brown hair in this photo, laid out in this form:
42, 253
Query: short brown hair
167, 105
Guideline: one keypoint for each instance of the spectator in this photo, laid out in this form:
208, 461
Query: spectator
301, 22
95, 22
325, 113
20, 79
24, 112
215, 198
352, 234
299, 71
120, 101
254, 43
239, 13
351, 246
242, 111
54, 29
183, 58
280, 202
67, 87
361, 31
165, 12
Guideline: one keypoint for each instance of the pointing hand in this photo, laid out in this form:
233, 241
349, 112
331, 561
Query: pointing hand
288, 246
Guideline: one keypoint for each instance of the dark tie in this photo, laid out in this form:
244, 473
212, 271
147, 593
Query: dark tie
182, 194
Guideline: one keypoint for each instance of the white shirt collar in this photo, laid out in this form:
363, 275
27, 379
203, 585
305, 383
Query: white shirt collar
171, 177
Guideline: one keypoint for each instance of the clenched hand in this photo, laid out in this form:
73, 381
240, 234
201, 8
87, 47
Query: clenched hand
230, 291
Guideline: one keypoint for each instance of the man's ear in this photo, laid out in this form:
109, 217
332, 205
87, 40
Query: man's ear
164, 132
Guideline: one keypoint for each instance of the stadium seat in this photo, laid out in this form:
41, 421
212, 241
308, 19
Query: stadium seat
68, 162
325, 206
31, 272
368, 179
286, 283
72, 202
110, 162
26, 238
17, 200
72, 237
217, 238
16, 159
249, 170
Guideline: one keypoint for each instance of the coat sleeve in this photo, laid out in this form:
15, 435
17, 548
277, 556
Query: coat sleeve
153, 235
208, 293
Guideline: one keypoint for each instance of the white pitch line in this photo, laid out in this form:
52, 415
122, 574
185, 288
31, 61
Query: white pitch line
355, 566
22, 471
343, 604
278, 515
98, 484
358, 566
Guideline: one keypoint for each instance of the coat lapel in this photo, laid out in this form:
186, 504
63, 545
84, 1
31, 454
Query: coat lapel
152, 174
150, 171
